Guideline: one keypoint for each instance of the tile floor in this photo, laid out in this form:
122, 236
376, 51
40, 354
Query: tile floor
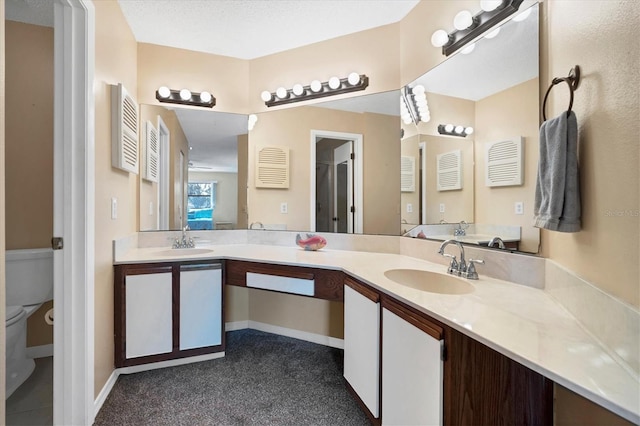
32, 402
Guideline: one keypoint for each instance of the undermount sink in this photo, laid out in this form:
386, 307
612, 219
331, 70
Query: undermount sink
432, 282
184, 251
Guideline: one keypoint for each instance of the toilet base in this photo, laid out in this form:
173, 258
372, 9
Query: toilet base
17, 372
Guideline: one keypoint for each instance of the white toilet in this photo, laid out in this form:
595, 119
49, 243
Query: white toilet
29, 283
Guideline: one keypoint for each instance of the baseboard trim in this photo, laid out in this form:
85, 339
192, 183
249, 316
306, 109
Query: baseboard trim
41, 351
236, 325
297, 334
104, 393
169, 363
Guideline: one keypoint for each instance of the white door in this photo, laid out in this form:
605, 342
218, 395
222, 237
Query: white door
362, 347
412, 374
179, 193
200, 306
343, 188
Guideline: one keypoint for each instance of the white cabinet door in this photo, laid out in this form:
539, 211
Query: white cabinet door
412, 374
149, 319
362, 347
200, 306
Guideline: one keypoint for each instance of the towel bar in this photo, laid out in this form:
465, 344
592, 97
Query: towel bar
572, 80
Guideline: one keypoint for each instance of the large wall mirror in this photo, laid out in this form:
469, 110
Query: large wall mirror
493, 89
201, 181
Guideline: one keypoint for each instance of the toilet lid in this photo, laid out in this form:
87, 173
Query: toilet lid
12, 312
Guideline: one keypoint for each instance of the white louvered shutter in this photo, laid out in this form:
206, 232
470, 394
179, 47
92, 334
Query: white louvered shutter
407, 173
124, 130
272, 167
504, 162
449, 170
150, 169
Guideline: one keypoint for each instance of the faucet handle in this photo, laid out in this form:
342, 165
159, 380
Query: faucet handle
471, 273
453, 266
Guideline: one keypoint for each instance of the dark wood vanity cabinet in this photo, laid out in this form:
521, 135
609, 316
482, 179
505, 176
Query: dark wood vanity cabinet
314, 282
165, 311
479, 386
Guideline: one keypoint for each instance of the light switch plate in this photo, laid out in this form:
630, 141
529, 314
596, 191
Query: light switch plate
441, 207
519, 207
284, 208
114, 208
409, 208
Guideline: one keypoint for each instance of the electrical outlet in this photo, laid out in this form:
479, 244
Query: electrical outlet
284, 209
519, 207
441, 207
114, 208
409, 208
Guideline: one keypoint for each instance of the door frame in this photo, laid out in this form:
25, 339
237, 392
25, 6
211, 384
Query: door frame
357, 175
74, 212
423, 187
164, 137
349, 187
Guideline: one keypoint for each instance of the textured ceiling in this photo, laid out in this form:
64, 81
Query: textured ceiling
248, 29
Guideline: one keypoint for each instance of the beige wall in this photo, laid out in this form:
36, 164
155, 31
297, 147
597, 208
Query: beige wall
243, 162
226, 78
29, 149
2, 205
603, 39
502, 116
29, 135
373, 52
112, 66
226, 194
148, 191
292, 128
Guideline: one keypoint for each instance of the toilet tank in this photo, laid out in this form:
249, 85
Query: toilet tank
29, 276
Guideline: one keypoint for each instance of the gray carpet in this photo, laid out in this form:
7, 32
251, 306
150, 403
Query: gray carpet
264, 379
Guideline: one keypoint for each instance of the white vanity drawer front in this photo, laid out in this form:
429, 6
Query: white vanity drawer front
300, 286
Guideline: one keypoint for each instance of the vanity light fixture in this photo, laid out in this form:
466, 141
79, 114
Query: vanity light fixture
185, 97
451, 130
469, 27
413, 105
316, 89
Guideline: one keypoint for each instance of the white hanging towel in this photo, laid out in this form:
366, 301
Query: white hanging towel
557, 199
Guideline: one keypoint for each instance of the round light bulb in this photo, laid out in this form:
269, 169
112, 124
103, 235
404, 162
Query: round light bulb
205, 97
403, 109
281, 92
490, 5
334, 83
421, 102
353, 78
468, 49
463, 20
418, 89
185, 94
316, 86
459, 130
266, 96
439, 38
298, 89
492, 33
448, 128
425, 118
164, 92
407, 120
253, 119
468, 130
522, 15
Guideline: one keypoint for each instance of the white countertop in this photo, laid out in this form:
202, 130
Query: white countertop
523, 323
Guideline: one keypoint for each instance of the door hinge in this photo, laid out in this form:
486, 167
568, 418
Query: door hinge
443, 352
352, 156
57, 243
353, 209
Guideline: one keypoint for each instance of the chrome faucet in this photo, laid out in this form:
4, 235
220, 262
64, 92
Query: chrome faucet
455, 268
497, 240
256, 223
461, 268
185, 241
460, 231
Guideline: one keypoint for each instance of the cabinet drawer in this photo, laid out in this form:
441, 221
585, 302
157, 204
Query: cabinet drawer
327, 284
